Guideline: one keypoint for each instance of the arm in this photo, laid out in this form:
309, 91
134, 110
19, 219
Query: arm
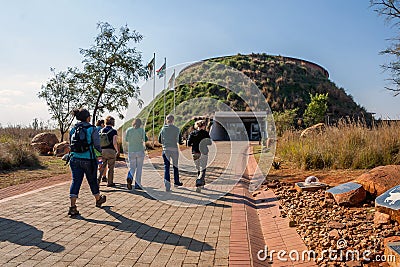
180, 140
190, 140
127, 137
159, 137
209, 141
115, 143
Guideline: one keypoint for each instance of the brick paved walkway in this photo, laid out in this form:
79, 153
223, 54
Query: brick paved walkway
134, 229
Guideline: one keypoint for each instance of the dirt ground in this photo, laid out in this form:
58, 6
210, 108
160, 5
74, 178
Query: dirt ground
288, 172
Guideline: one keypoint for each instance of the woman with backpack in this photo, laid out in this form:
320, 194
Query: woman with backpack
135, 137
84, 139
199, 140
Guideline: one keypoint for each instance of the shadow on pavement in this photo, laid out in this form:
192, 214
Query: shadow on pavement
23, 234
149, 233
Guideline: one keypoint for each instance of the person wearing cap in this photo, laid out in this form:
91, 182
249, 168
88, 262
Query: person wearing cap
109, 152
84, 163
170, 137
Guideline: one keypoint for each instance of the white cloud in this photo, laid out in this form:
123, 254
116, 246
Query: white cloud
10, 93
23, 113
5, 101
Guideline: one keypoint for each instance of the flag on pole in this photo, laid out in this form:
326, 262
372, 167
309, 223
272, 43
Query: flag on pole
150, 67
161, 70
171, 82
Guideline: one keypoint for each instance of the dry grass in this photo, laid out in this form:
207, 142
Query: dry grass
346, 146
15, 149
49, 167
20, 163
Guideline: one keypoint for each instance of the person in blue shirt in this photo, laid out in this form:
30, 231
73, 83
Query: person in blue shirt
84, 163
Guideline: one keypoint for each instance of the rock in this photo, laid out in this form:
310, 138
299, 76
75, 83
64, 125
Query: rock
348, 194
315, 129
335, 225
353, 264
44, 142
273, 184
381, 218
42, 147
309, 187
60, 149
334, 233
389, 203
292, 224
392, 251
311, 179
380, 179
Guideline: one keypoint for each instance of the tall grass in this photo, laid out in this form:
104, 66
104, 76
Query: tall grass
15, 149
345, 146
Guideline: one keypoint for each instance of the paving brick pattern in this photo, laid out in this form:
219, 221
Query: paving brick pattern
134, 229
278, 236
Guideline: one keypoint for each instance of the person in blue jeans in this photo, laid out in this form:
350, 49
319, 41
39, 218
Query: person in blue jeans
84, 162
170, 137
135, 137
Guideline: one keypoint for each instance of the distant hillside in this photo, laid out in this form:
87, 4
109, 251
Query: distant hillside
285, 82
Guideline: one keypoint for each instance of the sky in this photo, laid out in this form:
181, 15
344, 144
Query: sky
345, 37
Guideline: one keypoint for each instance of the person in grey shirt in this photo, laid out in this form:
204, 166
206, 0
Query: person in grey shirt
170, 137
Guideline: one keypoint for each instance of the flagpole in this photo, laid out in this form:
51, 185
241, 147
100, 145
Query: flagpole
154, 90
165, 82
173, 87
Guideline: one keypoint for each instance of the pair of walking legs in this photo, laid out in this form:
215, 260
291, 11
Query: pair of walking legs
109, 157
79, 169
167, 157
135, 167
200, 160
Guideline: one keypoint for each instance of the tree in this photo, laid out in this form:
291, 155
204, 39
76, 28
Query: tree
316, 109
390, 9
284, 120
62, 96
111, 71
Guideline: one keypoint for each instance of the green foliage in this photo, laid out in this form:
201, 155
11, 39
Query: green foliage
62, 95
111, 70
285, 120
316, 109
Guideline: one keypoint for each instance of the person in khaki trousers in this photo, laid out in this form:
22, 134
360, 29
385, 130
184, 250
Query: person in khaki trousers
109, 153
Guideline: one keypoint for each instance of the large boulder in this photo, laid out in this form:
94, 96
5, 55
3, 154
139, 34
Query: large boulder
44, 142
42, 147
315, 129
348, 194
60, 149
380, 179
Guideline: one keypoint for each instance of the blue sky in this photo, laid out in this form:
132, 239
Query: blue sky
343, 36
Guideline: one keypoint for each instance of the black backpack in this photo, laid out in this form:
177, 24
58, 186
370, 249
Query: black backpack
79, 141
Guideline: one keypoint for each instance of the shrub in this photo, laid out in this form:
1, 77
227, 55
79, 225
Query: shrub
17, 154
